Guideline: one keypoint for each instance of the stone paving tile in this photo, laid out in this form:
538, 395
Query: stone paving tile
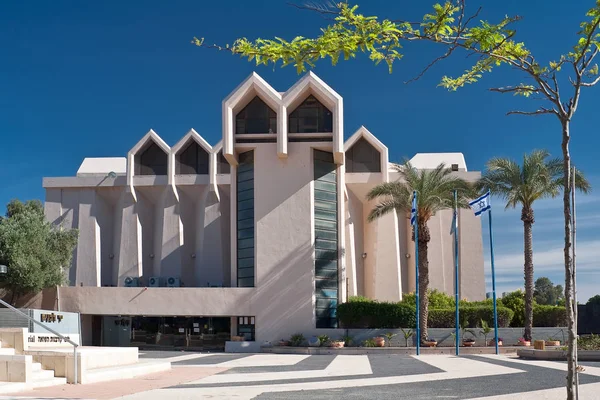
310, 363
114, 389
214, 359
164, 354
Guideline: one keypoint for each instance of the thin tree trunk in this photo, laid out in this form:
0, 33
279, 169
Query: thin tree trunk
569, 295
424, 238
528, 220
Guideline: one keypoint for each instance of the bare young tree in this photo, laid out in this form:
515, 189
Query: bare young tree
492, 45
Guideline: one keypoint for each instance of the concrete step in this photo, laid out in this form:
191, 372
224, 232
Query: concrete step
5, 351
12, 387
36, 367
126, 371
45, 382
42, 374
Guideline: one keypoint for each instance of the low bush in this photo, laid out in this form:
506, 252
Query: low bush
591, 342
367, 313
297, 340
549, 316
470, 317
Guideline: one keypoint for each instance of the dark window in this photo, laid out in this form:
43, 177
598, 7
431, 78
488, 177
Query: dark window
311, 117
152, 161
256, 117
222, 164
246, 328
326, 239
193, 160
245, 220
363, 157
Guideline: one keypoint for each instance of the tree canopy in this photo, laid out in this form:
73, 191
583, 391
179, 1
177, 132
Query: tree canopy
36, 252
546, 293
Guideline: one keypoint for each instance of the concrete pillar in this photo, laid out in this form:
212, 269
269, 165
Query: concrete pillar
212, 255
88, 269
170, 233
382, 260
472, 273
52, 205
127, 240
350, 255
199, 215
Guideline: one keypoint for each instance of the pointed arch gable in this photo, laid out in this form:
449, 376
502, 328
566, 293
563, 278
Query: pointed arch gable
311, 84
150, 139
363, 138
191, 155
252, 86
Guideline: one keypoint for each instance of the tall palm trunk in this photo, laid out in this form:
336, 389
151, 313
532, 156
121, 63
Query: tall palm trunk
424, 237
528, 220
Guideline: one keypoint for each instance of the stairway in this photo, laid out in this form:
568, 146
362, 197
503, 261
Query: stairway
44, 377
38, 377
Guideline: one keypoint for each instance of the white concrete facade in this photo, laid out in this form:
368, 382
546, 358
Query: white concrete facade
136, 225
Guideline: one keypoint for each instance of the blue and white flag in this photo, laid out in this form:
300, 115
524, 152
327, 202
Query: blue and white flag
413, 211
481, 204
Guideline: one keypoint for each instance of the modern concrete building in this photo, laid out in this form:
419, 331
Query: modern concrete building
260, 235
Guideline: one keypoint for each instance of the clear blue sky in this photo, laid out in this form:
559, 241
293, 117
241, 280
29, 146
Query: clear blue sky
89, 79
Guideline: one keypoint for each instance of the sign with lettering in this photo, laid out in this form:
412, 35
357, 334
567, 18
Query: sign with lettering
35, 340
65, 323
51, 317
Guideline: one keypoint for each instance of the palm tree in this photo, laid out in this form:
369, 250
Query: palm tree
434, 193
537, 178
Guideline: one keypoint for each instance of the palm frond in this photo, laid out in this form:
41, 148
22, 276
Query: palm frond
535, 179
383, 208
434, 187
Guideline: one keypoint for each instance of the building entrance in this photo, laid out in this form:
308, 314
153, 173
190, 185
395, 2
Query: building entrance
193, 333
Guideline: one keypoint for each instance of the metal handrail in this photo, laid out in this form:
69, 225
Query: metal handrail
66, 339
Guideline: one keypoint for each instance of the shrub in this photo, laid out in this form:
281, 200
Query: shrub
516, 302
549, 316
437, 299
369, 343
323, 340
591, 342
470, 316
297, 340
358, 299
373, 314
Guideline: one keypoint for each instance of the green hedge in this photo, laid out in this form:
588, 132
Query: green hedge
364, 313
470, 316
361, 312
549, 316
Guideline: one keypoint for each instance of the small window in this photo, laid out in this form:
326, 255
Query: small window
256, 117
193, 160
246, 328
363, 157
311, 117
152, 161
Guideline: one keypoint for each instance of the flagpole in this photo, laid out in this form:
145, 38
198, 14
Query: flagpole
416, 225
493, 281
456, 297
575, 310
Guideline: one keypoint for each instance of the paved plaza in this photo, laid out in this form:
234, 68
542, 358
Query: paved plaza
270, 376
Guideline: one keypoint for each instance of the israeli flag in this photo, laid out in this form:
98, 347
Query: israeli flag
481, 204
413, 211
